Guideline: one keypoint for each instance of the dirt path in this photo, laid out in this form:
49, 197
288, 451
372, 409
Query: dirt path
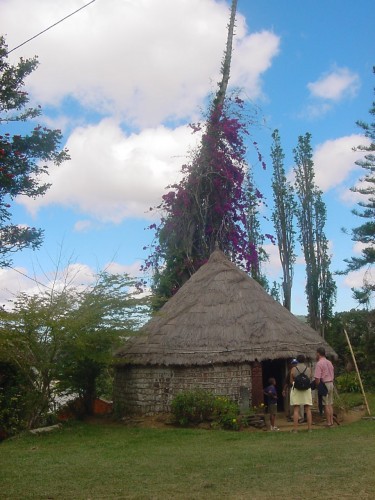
163, 420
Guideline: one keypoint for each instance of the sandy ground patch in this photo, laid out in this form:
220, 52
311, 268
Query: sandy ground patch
165, 420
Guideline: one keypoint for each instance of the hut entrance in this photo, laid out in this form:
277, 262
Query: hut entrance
275, 368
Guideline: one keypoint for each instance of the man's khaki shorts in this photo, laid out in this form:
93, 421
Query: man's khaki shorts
328, 400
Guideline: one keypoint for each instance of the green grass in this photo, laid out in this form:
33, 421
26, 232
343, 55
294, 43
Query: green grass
108, 461
350, 400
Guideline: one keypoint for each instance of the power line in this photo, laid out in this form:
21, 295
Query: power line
49, 27
28, 277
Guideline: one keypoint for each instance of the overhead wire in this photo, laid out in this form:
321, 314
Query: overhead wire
12, 50
27, 276
49, 27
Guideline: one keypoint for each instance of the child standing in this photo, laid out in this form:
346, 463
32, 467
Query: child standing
271, 393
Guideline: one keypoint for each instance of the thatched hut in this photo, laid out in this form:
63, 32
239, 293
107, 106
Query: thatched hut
222, 332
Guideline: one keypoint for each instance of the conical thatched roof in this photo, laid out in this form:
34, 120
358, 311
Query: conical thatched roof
220, 315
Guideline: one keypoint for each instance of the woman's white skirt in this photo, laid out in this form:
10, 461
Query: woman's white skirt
298, 397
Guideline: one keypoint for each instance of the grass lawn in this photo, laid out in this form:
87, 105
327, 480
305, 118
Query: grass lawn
107, 461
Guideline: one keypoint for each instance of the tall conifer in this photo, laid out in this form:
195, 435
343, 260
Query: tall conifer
311, 217
283, 217
365, 233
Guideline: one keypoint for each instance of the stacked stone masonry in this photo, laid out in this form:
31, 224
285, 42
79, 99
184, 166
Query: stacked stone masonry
147, 390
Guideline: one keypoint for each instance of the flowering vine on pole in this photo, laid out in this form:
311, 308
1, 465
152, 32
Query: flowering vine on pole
207, 208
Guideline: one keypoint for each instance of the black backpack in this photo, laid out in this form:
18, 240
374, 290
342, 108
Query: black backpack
302, 381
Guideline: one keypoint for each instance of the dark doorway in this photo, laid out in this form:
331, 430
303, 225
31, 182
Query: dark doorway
275, 368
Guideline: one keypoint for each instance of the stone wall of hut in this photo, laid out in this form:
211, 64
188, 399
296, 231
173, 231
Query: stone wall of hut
147, 390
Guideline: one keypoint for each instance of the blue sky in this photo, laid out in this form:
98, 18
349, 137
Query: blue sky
123, 78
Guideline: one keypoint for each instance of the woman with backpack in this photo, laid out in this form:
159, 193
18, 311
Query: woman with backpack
300, 394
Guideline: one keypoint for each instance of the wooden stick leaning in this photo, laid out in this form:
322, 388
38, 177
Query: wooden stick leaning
356, 367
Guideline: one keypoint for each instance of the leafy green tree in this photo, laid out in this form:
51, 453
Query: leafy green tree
105, 315
311, 218
365, 233
283, 217
31, 335
62, 340
15, 401
23, 158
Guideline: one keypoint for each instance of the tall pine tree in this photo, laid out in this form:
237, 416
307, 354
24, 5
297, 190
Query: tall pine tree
23, 158
365, 233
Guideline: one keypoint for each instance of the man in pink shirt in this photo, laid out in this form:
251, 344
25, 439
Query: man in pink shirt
324, 372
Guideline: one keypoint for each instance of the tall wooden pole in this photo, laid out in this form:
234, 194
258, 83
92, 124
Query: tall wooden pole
202, 164
225, 67
356, 367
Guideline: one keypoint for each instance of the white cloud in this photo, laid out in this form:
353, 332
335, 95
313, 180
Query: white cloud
272, 267
359, 246
350, 197
252, 57
316, 110
133, 270
300, 259
11, 282
353, 197
77, 275
113, 175
82, 226
73, 275
335, 159
334, 86
144, 61
356, 279
19, 279
141, 62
